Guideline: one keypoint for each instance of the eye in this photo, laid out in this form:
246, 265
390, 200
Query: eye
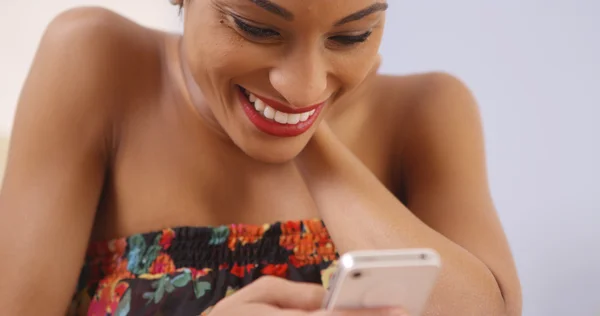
348, 40
254, 31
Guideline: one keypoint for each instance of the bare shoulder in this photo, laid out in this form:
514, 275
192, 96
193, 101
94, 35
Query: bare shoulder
96, 27
424, 91
89, 16
89, 63
101, 51
110, 27
428, 104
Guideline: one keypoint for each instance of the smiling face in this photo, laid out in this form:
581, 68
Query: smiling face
269, 69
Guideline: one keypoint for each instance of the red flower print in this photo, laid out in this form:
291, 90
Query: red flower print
109, 294
289, 242
305, 250
314, 227
224, 266
244, 234
120, 289
280, 270
198, 273
162, 264
296, 262
289, 228
240, 271
117, 246
232, 243
166, 238
326, 251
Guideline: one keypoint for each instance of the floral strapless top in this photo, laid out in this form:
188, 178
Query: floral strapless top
187, 270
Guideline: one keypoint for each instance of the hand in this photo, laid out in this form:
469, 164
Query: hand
273, 296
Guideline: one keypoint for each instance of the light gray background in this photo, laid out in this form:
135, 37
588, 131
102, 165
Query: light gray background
533, 66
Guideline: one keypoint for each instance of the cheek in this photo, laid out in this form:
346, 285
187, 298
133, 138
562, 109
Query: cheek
353, 68
209, 53
219, 52
210, 46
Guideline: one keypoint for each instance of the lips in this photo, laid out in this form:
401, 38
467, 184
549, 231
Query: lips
275, 118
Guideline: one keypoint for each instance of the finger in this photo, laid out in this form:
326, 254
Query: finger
283, 293
259, 309
363, 312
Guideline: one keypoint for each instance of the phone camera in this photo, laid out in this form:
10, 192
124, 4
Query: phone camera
423, 256
356, 275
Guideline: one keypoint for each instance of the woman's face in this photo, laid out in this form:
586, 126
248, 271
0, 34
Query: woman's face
269, 69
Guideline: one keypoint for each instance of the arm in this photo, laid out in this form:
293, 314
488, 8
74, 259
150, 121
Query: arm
449, 205
56, 166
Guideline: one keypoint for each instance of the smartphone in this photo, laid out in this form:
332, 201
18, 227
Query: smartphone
384, 278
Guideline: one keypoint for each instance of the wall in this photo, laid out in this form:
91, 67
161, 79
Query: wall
23, 22
533, 65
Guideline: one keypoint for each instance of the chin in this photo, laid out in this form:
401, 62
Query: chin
278, 152
270, 132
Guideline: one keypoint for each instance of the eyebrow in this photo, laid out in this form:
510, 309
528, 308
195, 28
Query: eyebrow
376, 7
274, 8
286, 14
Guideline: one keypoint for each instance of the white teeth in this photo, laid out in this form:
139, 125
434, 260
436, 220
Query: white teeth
269, 112
277, 116
259, 105
293, 118
281, 117
304, 116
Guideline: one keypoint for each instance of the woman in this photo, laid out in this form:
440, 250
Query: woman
165, 155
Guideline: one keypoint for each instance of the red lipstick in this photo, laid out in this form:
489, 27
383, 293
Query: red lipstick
272, 127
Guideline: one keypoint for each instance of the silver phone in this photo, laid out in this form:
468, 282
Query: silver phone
384, 278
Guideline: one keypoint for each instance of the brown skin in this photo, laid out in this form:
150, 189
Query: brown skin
274, 296
115, 134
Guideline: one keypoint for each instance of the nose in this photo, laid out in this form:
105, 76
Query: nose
301, 77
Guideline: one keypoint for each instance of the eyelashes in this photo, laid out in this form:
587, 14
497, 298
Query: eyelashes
260, 33
254, 31
350, 40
